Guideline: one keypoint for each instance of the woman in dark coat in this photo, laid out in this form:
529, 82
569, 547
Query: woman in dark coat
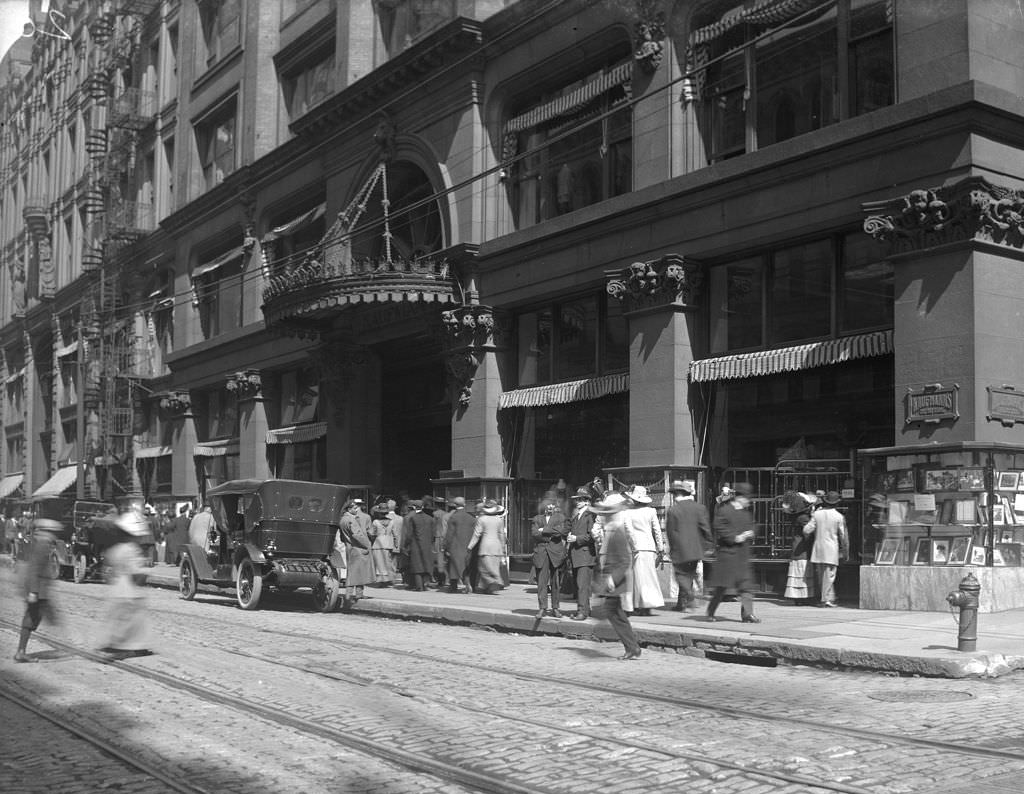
456, 546
418, 544
734, 530
355, 533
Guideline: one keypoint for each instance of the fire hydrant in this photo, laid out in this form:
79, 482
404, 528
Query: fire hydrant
966, 598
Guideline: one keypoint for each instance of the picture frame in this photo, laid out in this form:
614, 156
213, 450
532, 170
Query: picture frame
887, 551
898, 511
978, 555
941, 480
940, 551
1008, 481
998, 560
959, 550
998, 514
1009, 554
972, 480
904, 480
922, 552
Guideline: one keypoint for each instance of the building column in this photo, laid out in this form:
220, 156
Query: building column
660, 300
252, 424
959, 311
176, 407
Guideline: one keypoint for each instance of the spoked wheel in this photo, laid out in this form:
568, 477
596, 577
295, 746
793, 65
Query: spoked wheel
249, 585
55, 569
187, 582
81, 569
326, 591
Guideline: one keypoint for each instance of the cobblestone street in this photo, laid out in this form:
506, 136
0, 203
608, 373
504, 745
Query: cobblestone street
542, 713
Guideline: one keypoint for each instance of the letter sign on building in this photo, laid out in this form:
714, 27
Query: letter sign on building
932, 403
1005, 404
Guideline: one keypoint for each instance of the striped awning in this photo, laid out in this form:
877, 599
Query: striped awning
562, 393
61, 480
297, 434
215, 264
214, 450
153, 452
767, 12
66, 350
790, 359
10, 484
623, 73
296, 224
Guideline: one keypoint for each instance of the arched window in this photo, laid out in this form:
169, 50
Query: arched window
414, 217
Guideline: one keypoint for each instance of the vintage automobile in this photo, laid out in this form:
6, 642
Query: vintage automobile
269, 533
94, 534
73, 515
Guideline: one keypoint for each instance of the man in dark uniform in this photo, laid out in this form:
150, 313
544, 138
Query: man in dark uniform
548, 532
35, 584
456, 546
687, 530
582, 551
418, 544
734, 530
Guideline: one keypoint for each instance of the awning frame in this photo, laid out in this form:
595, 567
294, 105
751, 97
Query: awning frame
566, 392
59, 482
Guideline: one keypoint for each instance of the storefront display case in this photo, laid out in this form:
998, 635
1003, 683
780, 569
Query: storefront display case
934, 512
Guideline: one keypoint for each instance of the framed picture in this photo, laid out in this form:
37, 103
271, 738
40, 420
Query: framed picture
998, 514
1008, 481
899, 511
959, 550
997, 555
940, 551
904, 479
922, 552
886, 553
972, 480
977, 555
1007, 554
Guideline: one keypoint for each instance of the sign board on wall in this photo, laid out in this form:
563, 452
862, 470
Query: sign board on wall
932, 403
1005, 404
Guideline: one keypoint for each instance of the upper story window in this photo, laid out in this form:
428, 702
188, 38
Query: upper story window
215, 140
812, 290
217, 284
570, 144
309, 84
403, 22
292, 235
575, 338
769, 71
220, 25
217, 410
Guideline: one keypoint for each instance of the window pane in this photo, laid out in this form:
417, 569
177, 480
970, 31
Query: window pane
615, 356
744, 283
577, 339
535, 348
867, 296
801, 292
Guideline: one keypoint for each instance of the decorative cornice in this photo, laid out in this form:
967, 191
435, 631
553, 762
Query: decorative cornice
468, 332
971, 209
245, 384
668, 281
175, 403
650, 30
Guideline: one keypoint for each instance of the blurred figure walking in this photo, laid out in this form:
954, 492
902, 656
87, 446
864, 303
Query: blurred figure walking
489, 538
734, 529
688, 533
616, 574
35, 584
126, 632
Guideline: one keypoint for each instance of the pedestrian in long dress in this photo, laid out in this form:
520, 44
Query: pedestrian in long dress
688, 534
800, 584
396, 530
383, 548
461, 526
35, 585
418, 544
734, 530
831, 545
489, 539
641, 519
614, 579
354, 530
126, 632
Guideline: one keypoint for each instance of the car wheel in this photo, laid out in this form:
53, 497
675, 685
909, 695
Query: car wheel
249, 585
326, 592
81, 569
187, 582
55, 569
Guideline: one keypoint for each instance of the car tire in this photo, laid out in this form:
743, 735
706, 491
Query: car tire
80, 569
55, 567
248, 585
187, 581
326, 592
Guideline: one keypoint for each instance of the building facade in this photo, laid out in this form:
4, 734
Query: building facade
507, 246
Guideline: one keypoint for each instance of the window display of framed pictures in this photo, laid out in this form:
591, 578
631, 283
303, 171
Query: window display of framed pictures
972, 480
1008, 481
887, 551
940, 551
977, 555
959, 550
1007, 554
922, 552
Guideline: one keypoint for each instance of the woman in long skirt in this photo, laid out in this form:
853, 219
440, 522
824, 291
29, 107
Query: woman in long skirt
126, 632
800, 584
490, 536
383, 548
644, 527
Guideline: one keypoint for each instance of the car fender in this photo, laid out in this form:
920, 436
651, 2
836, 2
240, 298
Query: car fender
253, 552
196, 555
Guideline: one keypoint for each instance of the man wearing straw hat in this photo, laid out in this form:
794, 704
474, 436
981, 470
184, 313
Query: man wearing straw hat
688, 532
616, 577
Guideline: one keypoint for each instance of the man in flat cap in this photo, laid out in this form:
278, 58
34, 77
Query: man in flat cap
688, 532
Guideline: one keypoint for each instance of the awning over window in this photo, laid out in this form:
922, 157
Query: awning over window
153, 452
294, 225
66, 350
566, 104
59, 482
297, 434
215, 264
562, 393
790, 359
767, 12
10, 484
215, 450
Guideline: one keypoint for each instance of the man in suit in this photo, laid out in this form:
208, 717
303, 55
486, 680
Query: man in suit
582, 551
734, 530
831, 545
548, 532
687, 530
418, 544
456, 546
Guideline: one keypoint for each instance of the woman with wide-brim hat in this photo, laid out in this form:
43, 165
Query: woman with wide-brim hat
489, 539
615, 577
644, 527
126, 632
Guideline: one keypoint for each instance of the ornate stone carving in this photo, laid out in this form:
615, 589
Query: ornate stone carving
175, 403
246, 384
18, 289
650, 30
970, 209
461, 368
47, 272
669, 280
468, 332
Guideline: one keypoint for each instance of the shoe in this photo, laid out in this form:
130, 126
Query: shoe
710, 618
580, 616
540, 613
556, 613
629, 656
643, 612
751, 619
23, 658
829, 604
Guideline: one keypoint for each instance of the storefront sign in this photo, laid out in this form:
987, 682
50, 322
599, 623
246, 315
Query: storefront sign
1005, 404
932, 403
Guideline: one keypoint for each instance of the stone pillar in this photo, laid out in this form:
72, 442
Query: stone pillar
660, 299
959, 311
252, 420
176, 407
477, 345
